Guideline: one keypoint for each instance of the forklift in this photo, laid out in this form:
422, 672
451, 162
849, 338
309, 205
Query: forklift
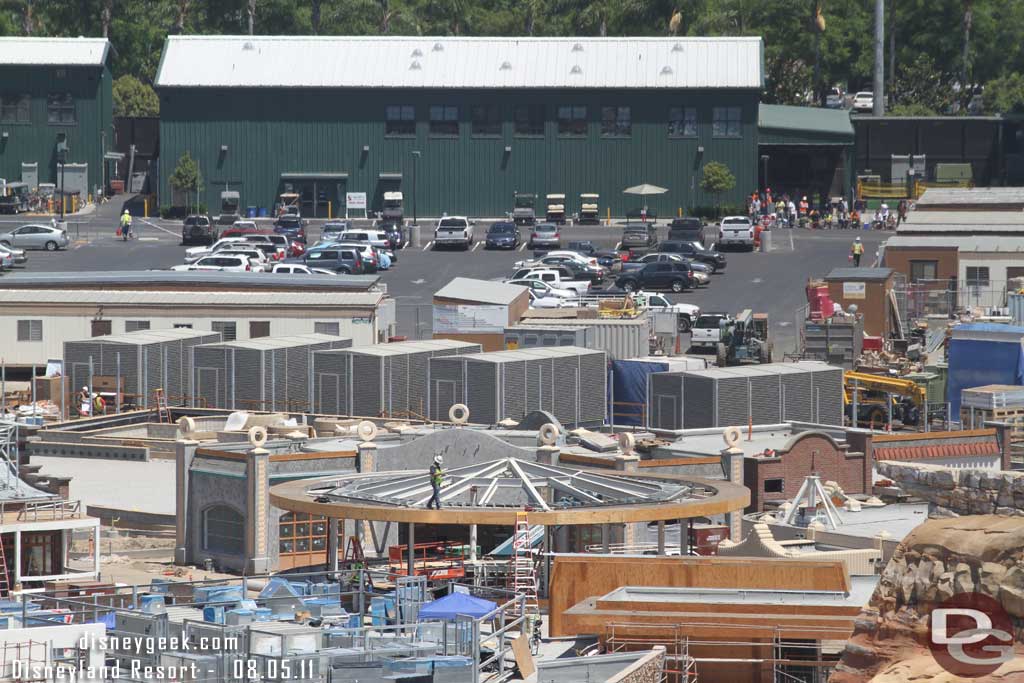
744, 339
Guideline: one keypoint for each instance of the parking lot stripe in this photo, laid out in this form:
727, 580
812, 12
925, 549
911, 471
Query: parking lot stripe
154, 225
618, 246
522, 247
429, 244
477, 246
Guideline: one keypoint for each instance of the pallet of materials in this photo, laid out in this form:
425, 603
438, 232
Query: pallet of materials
994, 403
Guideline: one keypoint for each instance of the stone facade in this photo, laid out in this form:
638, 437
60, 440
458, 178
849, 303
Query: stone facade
953, 492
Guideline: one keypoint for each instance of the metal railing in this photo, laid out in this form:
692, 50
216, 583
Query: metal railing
50, 511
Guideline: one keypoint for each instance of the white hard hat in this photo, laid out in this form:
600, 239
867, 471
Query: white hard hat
858, 239
85, 388
438, 459
126, 210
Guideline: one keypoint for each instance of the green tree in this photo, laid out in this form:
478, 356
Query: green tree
716, 179
132, 97
910, 109
1004, 95
187, 179
924, 87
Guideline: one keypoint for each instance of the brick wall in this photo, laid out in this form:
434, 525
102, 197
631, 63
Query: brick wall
808, 453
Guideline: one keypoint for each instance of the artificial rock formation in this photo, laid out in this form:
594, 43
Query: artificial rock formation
941, 558
953, 492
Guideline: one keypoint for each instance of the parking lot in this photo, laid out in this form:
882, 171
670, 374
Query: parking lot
764, 282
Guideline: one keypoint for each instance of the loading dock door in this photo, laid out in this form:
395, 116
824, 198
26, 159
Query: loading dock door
320, 196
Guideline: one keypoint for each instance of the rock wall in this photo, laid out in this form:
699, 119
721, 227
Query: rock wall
954, 492
939, 559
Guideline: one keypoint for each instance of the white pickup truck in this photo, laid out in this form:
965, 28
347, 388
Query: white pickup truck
707, 330
559, 277
454, 231
686, 314
736, 231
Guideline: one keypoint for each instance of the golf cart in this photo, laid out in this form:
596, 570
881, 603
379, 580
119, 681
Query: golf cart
392, 213
588, 209
288, 204
556, 209
523, 212
230, 201
744, 339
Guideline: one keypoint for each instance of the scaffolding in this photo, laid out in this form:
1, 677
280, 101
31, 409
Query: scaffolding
9, 454
679, 666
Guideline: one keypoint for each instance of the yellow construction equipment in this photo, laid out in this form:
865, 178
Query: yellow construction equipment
908, 398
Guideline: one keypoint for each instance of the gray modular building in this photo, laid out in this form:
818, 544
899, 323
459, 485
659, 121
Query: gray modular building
569, 382
145, 361
806, 391
620, 338
529, 336
385, 380
836, 340
269, 373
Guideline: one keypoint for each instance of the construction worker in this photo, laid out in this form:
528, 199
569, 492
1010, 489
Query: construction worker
856, 251
436, 481
84, 402
126, 224
804, 206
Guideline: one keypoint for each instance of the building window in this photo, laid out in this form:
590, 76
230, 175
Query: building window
327, 328
183, 326
259, 328
102, 328
136, 325
774, 485
30, 330
60, 108
486, 120
616, 122
923, 270
223, 530
444, 120
682, 122
228, 329
528, 119
977, 276
14, 108
300, 532
725, 122
400, 120
572, 121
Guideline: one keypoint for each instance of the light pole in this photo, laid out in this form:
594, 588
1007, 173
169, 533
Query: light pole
764, 167
415, 158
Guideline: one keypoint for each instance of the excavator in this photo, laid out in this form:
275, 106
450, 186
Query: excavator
907, 396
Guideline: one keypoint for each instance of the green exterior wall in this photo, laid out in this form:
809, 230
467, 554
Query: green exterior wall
36, 141
273, 131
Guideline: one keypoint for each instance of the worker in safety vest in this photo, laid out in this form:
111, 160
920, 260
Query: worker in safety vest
436, 481
84, 402
804, 206
856, 251
126, 224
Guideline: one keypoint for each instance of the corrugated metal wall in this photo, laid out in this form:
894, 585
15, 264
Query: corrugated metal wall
270, 132
90, 87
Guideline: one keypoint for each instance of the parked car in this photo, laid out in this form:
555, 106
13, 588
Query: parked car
453, 231
695, 251
700, 272
36, 237
331, 230
543, 289
835, 99
672, 275
545, 236
585, 247
580, 266
259, 259
639, 236
193, 254
502, 235
864, 101
367, 252
395, 234
688, 229
6, 260
557, 276
337, 259
226, 262
609, 259
292, 227
707, 331
538, 301
736, 231
377, 238
300, 269
198, 230
18, 256
686, 314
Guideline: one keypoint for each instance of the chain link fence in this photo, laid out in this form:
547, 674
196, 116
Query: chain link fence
945, 298
414, 321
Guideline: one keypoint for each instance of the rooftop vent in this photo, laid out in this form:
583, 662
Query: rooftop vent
417, 53
577, 48
678, 47
666, 70
438, 47
247, 45
505, 66
576, 69
415, 66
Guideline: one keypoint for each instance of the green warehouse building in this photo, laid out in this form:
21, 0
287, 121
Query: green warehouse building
458, 125
55, 106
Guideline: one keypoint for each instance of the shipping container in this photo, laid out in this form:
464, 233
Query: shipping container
528, 336
806, 391
569, 382
618, 337
268, 373
384, 380
145, 361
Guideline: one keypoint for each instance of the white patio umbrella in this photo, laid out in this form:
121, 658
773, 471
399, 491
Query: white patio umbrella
645, 189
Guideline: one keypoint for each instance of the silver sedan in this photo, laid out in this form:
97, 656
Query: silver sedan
35, 237
18, 256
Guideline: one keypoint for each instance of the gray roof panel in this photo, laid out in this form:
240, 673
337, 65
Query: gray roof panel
481, 291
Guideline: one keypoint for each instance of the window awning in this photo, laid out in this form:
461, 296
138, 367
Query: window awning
327, 175
389, 176
114, 156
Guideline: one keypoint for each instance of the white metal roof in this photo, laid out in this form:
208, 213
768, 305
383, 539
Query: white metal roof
54, 51
187, 299
271, 343
142, 337
458, 62
971, 196
1009, 244
480, 291
966, 218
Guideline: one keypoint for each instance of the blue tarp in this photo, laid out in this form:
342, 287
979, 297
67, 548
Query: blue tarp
629, 386
454, 604
996, 359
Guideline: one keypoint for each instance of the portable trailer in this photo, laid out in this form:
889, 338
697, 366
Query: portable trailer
144, 361
267, 373
383, 380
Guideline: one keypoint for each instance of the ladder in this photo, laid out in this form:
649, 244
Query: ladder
163, 411
354, 558
524, 567
5, 581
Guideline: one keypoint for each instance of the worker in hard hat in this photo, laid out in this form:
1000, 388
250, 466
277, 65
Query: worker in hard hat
126, 224
856, 251
84, 402
436, 481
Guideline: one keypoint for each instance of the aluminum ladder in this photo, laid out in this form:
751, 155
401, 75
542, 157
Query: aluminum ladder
524, 566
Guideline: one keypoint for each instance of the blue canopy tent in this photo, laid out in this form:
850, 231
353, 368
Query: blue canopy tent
981, 354
450, 606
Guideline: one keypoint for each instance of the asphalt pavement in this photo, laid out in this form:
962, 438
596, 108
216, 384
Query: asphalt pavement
771, 282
